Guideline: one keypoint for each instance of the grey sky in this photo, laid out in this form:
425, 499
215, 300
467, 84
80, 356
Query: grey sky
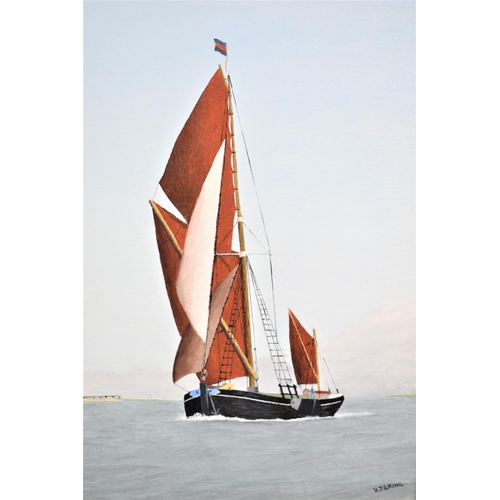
326, 94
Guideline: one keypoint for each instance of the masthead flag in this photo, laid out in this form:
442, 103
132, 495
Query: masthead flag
220, 47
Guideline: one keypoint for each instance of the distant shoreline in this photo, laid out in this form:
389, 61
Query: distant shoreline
102, 399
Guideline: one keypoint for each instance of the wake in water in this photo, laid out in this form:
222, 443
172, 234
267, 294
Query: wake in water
217, 418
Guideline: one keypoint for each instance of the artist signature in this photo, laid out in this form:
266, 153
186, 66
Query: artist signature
387, 487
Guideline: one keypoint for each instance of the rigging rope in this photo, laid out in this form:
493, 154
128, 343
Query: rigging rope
330, 375
254, 337
321, 359
250, 165
180, 386
154, 194
257, 239
258, 200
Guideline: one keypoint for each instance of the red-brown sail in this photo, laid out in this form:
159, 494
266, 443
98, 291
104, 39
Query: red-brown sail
227, 208
223, 362
170, 259
188, 181
303, 351
196, 147
222, 352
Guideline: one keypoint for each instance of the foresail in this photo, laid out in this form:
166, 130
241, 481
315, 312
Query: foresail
303, 352
190, 356
193, 352
205, 278
196, 267
196, 147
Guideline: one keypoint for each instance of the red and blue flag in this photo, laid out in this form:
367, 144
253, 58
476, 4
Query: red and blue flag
220, 47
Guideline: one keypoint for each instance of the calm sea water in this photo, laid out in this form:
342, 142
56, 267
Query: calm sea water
148, 449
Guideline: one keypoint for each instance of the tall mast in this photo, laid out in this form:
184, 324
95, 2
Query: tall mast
317, 356
241, 235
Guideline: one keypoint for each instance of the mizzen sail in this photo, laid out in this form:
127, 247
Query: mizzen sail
303, 349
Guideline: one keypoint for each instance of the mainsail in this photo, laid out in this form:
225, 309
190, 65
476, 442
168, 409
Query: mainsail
201, 270
303, 349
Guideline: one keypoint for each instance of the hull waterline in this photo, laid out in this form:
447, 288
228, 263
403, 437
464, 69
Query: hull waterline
255, 406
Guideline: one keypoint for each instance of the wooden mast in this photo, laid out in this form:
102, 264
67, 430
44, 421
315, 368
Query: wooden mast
241, 235
317, 357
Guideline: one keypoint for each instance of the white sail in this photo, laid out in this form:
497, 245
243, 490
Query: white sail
195, 271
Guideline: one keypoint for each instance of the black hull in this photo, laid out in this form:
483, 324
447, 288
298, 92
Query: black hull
256, 406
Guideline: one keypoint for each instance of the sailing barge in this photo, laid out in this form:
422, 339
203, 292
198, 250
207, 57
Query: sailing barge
208, 282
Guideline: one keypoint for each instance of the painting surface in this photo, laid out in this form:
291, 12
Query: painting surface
326, 96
